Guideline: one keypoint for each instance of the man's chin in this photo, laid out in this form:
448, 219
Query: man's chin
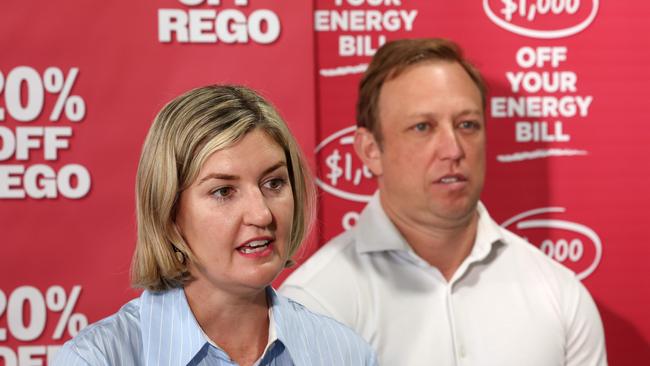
458, 211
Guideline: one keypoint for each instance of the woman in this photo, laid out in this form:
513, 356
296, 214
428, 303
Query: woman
224, 200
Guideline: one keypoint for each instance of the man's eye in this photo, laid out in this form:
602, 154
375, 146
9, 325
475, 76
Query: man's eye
469, 125
421, 127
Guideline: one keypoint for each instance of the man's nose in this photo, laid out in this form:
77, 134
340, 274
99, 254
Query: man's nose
256, 210
448, 144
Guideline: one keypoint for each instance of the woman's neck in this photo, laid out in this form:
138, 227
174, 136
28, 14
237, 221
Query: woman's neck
237, 323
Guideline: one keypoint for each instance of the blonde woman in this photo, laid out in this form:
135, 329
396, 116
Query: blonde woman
224, 200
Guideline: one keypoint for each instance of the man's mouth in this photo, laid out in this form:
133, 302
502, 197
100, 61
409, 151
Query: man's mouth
450, 179
254, 246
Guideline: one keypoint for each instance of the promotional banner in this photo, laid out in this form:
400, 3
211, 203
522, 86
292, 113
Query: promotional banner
566, 138
80, 83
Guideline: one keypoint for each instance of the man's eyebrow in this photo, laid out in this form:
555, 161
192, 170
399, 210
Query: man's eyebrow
465, 112
422, 114
433, 115
235, 177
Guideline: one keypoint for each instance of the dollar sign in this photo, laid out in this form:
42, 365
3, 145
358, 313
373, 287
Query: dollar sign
509, 8
332, 162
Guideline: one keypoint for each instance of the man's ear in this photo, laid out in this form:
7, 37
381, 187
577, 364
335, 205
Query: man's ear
368, 150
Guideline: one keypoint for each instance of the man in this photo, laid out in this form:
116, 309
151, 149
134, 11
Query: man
426, 276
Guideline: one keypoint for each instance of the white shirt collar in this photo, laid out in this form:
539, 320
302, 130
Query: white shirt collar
375, 232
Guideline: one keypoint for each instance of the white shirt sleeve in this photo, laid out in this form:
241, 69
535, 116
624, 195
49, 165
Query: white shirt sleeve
303, 297
585, 336
337, 307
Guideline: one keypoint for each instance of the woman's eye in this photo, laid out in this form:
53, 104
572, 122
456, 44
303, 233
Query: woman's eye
223, 192
275, 184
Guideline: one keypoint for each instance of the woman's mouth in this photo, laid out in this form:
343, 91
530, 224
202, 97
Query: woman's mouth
256, 248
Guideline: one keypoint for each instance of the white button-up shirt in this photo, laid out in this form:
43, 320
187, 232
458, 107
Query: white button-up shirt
507, 304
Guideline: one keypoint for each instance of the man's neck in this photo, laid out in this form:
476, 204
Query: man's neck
443, 245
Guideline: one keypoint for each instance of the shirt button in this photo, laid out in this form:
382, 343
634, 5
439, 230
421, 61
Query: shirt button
462, 353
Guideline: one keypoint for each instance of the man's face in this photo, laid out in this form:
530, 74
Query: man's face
431, 164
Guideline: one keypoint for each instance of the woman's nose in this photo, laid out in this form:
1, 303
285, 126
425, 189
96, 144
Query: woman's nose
256, 210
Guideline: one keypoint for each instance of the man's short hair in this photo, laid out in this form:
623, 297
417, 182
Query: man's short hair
395, 57
182, 137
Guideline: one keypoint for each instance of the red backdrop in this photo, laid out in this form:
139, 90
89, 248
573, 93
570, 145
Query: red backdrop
80, 83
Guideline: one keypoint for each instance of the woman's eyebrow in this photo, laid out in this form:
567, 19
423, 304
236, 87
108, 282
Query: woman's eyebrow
235, 177
218, 176
275, 166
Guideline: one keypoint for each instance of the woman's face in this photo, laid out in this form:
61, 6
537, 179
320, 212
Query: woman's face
236, 216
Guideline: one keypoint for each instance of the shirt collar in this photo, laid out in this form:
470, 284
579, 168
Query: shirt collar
488, 236
375, 232
166, 317
287, 324
273, 334
167, 322
488, 233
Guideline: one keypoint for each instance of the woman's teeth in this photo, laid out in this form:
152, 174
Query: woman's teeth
254, 246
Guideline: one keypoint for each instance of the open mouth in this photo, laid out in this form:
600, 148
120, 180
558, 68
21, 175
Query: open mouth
450, 179
255, 246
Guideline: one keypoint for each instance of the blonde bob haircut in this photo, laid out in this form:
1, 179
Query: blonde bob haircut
183, 135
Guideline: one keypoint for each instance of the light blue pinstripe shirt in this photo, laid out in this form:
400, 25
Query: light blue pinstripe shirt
160, 329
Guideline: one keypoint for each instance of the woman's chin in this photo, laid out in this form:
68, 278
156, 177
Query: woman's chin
245, 279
